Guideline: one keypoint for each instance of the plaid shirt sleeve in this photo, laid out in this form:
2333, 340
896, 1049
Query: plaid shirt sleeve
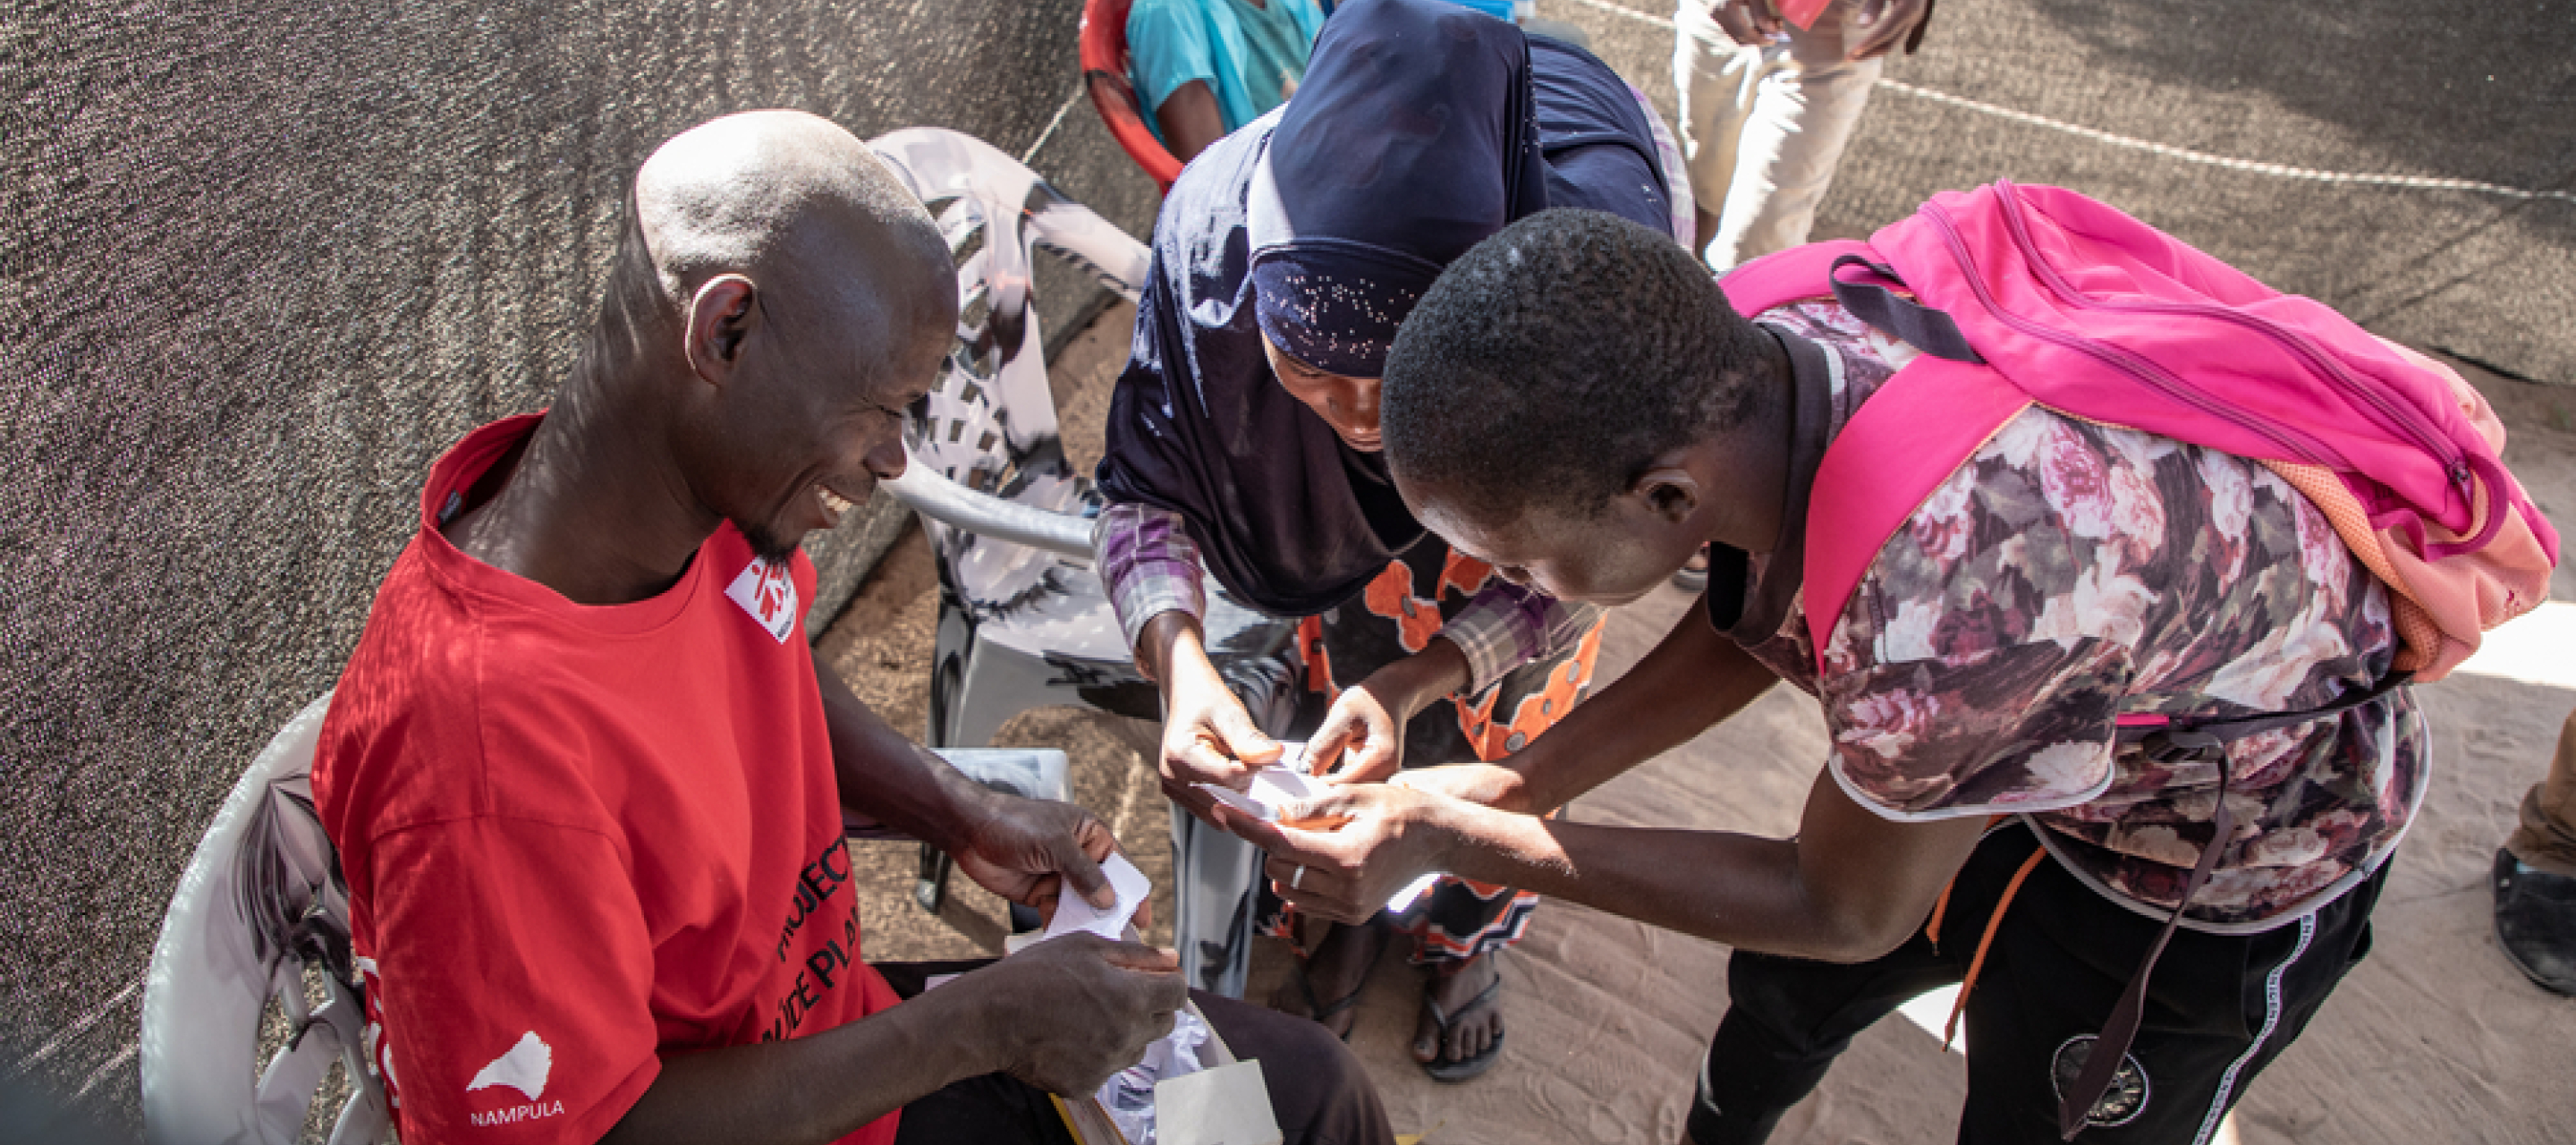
1149, 564
1508, 625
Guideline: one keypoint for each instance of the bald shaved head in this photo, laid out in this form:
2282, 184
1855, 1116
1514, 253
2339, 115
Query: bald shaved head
777, 300
788, 198
760, 190
778, 297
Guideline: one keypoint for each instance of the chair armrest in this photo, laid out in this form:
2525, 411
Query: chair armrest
1029, 772
926, 492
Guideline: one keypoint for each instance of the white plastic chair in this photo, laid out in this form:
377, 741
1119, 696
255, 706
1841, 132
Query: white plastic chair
1023, 619
256, 945
259, 925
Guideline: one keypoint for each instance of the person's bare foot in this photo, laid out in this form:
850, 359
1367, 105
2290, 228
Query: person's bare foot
1461, 1032
1325, 985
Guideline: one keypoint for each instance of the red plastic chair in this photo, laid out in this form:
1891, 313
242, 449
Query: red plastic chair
1104, 73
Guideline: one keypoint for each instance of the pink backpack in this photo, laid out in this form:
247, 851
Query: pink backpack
2021, 294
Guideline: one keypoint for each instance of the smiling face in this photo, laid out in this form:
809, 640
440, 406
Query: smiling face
1347, 404
833, 430
809, 372
819, 421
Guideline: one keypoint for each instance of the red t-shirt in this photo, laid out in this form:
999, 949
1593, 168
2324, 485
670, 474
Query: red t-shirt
578, 837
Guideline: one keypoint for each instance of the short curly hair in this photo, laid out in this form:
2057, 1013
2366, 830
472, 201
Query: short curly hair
1551, 365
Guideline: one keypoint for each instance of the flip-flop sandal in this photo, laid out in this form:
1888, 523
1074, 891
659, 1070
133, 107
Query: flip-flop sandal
1315, 1007
1461, 1069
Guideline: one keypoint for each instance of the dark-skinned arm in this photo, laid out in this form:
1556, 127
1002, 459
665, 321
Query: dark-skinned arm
817, 1088
1851, 886
1190, 119
1694, 679
886, 777
1024, 850
1062, 1015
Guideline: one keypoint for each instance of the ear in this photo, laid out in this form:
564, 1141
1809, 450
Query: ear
722, 315
1667, 492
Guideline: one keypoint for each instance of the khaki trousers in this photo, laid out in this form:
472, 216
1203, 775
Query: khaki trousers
2546, 837
1762, 128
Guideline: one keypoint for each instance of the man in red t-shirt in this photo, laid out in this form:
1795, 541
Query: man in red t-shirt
588, 784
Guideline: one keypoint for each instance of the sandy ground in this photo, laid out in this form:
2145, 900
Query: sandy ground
2434, 1038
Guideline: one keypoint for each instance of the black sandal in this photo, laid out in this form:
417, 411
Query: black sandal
1461, 1069
1315, 1007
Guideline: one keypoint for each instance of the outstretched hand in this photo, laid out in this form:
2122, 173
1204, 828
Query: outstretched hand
1491, 785
1389, 835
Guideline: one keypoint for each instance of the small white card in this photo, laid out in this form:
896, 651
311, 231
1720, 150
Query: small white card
1074, 912
1228, 1105
1273, 787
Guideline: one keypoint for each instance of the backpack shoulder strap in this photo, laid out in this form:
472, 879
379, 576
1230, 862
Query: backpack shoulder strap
1902, 443
1792, 275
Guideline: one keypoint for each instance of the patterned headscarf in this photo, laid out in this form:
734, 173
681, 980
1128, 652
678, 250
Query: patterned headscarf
1412, 138
1420, 129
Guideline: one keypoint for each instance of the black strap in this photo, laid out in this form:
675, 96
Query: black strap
2171, 743
2112, 1045
1897, 316
2187, 738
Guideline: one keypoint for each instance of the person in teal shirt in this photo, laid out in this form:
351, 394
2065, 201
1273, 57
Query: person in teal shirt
1203, 68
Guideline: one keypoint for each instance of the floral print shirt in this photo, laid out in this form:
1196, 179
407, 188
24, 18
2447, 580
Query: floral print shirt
2069, 573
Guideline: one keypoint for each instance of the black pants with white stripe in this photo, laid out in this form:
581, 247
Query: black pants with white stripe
2219, 1009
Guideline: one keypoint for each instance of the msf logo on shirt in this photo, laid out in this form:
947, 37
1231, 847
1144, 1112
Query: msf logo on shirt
768, 593
524, 1068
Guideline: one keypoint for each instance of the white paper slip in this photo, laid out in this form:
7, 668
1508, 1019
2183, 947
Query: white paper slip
1074, 912
1273, 787
1227, 1105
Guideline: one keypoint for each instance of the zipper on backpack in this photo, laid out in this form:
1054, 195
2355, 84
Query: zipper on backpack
2154, 376
2457, 464
2399, 416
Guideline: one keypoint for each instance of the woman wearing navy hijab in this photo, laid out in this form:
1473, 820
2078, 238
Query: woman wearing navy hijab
1243, 438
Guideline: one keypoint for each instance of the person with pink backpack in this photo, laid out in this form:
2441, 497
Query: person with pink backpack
2107, 566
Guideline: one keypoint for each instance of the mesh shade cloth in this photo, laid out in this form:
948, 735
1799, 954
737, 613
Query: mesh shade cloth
261, 264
